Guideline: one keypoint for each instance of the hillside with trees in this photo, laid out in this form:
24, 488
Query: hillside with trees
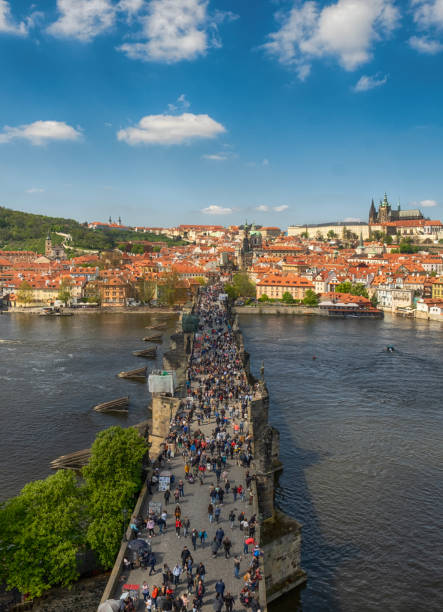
27, 232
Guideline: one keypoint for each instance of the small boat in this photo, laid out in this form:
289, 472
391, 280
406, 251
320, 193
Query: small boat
390, 349
149, 353
138, 374
117, 405
153, 338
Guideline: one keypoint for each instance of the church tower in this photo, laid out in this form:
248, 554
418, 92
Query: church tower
48, 245
372, 213
384, 212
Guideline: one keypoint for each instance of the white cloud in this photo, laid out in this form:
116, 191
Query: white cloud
217, 210
423, 44
281, 208
345, 29
40, 132
428, 13
131, 6
262, 208
216, 157
182, 103
35, 190
83, 19
171, 129
7, 23
428, 203
365, 83
174, 30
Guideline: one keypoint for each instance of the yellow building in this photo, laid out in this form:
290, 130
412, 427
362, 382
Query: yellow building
275, 286
437, 288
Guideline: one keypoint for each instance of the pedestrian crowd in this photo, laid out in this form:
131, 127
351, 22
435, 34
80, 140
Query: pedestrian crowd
210, 433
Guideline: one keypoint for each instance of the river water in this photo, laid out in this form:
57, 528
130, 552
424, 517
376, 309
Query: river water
361, 436
53, 370
362, 448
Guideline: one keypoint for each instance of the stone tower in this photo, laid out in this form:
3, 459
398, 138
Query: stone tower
384, 211
372, 213
48, 245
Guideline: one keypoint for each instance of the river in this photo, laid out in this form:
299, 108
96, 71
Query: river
362, 448
361, 436
53, 370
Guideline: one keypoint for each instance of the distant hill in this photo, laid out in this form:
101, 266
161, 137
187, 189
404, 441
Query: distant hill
27, 232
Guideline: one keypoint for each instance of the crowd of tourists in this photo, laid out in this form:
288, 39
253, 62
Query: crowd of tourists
210, 432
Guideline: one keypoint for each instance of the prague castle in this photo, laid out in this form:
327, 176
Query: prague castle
386, 214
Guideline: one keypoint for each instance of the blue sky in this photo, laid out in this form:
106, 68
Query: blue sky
194, 111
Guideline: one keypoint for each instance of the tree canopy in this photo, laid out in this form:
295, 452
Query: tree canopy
112, 479
311, 298
242, 285
41, 531
352, 288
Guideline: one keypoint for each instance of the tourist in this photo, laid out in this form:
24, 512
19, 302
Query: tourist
186, 526
237, 561
194, 536
176, 572
229, 601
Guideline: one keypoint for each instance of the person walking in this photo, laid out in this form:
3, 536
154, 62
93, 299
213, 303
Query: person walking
181, 488
194, 536
152, 564
227, 544
178, 525
166, 496
201, 571
176, 572
228, 601
186, 526
237, 561
232, 519
220, 587
211, 512
217, 513
202, 535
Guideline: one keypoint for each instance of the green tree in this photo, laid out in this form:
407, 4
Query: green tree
138, 249
374, 300
64, 294
145, 290
168, 288
331, 235
352, 288
243, 286
263, 298
41, 531
200, 280
287, 298
231, 291
112, 478
25, 294
311, 298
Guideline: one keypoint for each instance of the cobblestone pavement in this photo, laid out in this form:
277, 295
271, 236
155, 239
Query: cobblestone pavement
168, 547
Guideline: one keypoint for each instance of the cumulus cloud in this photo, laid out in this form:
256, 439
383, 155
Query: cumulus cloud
217, 210
175, 30
7, 24
262, 208
83, 19
365, 83
40, 132
281, 208
171, 129
423, 44
345, 29
35, 190
428, 203
428, 15
216, 156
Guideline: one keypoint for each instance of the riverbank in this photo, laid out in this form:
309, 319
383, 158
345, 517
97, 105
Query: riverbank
156, 310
